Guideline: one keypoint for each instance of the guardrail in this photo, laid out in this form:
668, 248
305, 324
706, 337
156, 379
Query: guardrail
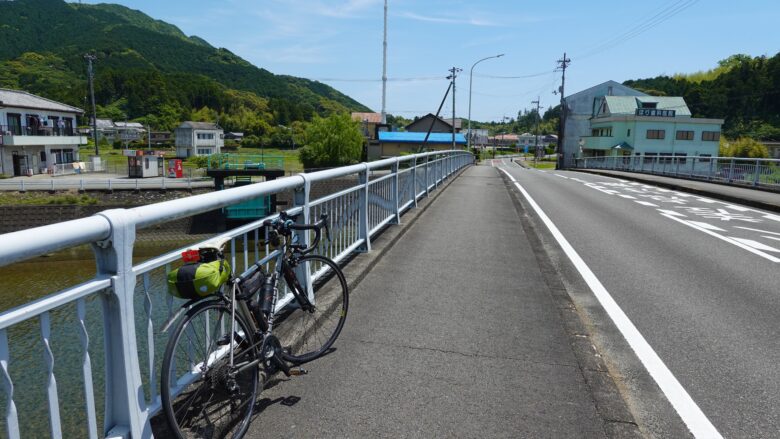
381, 191
730, 170
103, 184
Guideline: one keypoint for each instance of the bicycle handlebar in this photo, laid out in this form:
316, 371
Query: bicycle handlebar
285, 224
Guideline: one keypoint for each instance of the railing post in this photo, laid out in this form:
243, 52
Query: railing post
427, 179
414, 181
302, 198
396, 193
756, 172
363, 231
125, 408
731, 170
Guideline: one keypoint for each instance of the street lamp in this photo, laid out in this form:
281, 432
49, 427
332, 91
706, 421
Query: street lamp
471, 80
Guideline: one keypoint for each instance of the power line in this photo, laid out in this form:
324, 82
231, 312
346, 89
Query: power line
663, 15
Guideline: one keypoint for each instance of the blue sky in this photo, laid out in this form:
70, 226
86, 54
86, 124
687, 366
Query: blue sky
339, 42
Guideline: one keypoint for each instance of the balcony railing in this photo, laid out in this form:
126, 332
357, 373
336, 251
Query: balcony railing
16, 130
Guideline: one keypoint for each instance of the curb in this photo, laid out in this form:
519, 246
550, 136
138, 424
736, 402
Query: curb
614, 411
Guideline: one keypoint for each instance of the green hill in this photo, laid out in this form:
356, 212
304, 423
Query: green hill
147, 69
744, 91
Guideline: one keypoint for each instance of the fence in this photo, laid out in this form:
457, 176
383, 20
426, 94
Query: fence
730, 170
383, 190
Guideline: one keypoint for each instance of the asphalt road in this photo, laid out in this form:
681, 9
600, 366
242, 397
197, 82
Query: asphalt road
453, 333
698, 278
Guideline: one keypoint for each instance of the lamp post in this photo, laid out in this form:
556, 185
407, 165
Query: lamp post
471, 80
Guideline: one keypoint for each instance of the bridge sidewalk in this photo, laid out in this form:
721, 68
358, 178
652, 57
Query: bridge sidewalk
454, 332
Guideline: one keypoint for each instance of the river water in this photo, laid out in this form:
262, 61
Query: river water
25, 282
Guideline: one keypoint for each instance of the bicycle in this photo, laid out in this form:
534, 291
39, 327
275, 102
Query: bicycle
225, 345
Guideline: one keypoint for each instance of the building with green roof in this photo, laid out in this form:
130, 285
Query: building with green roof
648, 126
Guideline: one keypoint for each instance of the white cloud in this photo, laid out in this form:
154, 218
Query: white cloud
469, 20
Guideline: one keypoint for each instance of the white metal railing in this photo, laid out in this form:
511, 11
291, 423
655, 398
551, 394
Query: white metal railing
731, 170
132, 343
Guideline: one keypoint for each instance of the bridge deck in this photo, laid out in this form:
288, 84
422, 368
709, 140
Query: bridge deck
454, 333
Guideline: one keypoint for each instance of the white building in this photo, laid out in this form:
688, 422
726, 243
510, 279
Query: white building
36, 133
580, 107
198, 138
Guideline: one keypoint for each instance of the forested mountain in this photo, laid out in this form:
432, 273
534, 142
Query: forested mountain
744, 91
147, 69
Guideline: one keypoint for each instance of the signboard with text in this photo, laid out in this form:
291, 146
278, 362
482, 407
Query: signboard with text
654, 112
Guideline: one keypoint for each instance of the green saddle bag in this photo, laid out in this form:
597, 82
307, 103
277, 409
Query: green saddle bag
198, 279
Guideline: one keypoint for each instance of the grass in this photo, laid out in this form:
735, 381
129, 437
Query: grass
541, 164
41, 198
291, 161
113, 157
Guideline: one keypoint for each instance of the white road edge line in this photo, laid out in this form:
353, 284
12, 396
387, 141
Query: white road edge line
697, 422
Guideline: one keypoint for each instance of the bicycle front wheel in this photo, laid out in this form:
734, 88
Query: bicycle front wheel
203, 395
309, 333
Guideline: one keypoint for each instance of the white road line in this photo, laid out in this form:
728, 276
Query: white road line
646, 203
707, 226
738, 208
671, 212
562, 176
757, 230
628, 197
691, 414
772, 217
771, 237
725, 238
755, 244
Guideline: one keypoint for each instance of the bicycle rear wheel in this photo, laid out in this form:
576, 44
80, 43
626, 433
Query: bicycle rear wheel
308, 334
202, 395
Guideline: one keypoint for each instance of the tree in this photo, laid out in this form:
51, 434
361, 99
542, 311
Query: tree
743, 147
332, 141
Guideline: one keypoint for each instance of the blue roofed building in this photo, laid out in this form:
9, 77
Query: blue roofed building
395, 143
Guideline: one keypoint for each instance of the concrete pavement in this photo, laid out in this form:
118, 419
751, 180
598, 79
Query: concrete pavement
459, 329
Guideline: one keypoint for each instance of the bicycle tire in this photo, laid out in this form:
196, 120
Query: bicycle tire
308, 335
206, 407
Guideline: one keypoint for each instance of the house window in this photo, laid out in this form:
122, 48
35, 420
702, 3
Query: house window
14, 124
681, 157
650, 156
704, 158
594, 133
684, 135
649, 104
628, 133
666, 157
656, 134
206, 136
204, 151
63, 155
710, 136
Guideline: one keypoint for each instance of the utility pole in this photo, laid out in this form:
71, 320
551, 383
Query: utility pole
536, 137
89, 57
453, 74
562, 64
384, 71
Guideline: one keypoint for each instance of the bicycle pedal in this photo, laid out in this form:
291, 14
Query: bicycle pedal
297, 371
